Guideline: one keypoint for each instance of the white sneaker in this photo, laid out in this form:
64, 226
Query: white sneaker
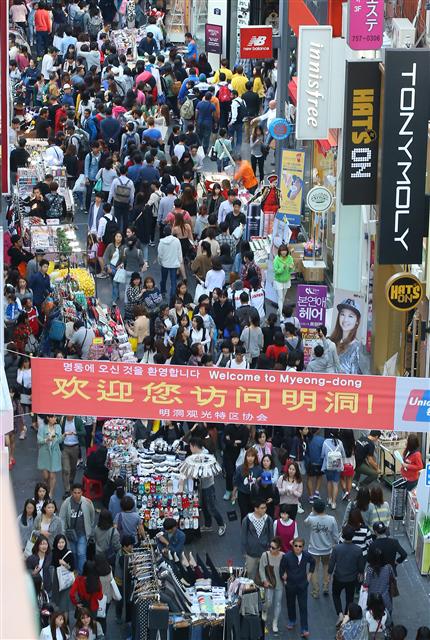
339, 620
275, 627
221, 529
333, 506
264, 615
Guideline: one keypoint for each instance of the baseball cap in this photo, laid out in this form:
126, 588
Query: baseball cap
67, 86
266, 477
379, 528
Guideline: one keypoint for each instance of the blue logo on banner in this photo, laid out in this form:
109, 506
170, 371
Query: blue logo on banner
280, 128
428, 475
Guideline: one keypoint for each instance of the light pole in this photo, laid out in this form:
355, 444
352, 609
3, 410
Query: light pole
283, 75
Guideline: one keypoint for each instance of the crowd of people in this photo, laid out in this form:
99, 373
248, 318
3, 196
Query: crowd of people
134, 137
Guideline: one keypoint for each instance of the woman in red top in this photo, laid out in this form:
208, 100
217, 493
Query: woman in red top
86, 590
43, 26
274, 350
413, 462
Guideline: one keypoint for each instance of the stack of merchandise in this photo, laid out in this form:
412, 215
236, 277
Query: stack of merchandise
118, 431
118, 435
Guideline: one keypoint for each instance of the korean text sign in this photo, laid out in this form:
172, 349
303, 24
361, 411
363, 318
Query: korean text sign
311, 305
75, 387
291, 184
365, 24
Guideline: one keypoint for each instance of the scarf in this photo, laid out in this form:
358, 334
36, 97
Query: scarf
258, 523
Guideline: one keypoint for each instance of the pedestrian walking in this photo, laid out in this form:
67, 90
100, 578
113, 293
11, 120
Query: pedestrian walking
347, 567
209, 506
332, 456
257, 532
296, 569
245, 476
78, 516
271, 579
285, 527
392, 551
324, 536
290, 487
235, 439
49, 438
74, 437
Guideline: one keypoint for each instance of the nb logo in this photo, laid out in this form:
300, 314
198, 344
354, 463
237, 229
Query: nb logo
257, 41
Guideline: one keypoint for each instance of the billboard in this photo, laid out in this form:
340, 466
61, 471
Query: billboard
361, 132
313, 83
256, 42
403, 211
213, 38
291, 185
365, 24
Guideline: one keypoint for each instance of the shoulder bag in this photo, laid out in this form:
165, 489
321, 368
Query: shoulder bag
120, 276
65, 576
71, 534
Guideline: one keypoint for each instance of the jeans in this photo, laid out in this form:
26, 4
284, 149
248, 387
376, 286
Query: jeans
365, 470
209, 507
258, 161
233, 129
115, 291
204, 130
237, 262
121, 214
153, 228
42, 42
89, 194
221, 164
224, 114
324, 560
273, 599
337, 589
79, 550
165, 271
301, 593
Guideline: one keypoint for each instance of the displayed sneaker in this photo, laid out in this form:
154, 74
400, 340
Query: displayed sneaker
227, 495
221, 529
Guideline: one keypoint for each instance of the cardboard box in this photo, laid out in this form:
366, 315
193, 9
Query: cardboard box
313, 271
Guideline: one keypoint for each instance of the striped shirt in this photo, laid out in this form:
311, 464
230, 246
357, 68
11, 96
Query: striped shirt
362, 538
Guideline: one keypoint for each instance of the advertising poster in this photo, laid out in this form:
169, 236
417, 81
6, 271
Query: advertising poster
256, 42
365, 24
311, 306
213, 38
291, 185
348, 328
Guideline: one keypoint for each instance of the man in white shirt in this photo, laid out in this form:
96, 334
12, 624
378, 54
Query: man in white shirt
226, 207
330, 350
107, 216
49, 62
239, 361
53, 154
179, 149
268, 118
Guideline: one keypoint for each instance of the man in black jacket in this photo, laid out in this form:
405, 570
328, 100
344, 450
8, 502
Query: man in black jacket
347, 566
390, 547
296, 569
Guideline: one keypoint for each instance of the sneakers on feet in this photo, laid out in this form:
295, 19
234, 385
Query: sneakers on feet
221, 529
264, 615
345, 495
305, 634
311, 499
333, 506
339, 620
291, 625
275, 627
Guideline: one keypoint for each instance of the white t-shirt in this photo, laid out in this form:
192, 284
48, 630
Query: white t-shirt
233, 364
214, 279
256, 300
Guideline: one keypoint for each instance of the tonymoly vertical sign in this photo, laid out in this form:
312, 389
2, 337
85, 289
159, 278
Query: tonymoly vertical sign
403, 213
313, 82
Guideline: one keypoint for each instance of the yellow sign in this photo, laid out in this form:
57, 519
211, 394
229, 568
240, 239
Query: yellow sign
97, 340
291, 185
404, 291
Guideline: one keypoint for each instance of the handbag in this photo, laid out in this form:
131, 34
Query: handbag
362, 600
65, 578
101, 611
120, 276
241, 457
393, 587
200, 291
71, 534
270, 573
28, 549
213, 154
116, 594
98, 187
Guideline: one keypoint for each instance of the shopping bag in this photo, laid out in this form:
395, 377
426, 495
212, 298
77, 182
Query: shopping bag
200, 291
101, 612
240, 458
28, 549
115, 591
362, 600
65, 578
120, 276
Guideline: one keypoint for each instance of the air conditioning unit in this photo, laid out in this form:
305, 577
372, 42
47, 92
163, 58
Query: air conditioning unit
403, 33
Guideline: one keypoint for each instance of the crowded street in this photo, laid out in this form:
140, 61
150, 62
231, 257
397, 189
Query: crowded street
215, 393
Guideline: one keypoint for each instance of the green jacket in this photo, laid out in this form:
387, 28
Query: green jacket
283, 268
80, 429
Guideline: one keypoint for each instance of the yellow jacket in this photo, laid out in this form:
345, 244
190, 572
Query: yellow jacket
238, 82
228, 74
258, 87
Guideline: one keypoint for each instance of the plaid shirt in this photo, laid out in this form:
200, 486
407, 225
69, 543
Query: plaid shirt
226, 238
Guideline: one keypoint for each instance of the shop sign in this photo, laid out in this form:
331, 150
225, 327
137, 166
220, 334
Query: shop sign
311, 305
200, 394
365, 24
361, 133
428, 473
256, 42
403, 212
280, 128
291, 185
213, 38
319, 199
313, 83
404, 291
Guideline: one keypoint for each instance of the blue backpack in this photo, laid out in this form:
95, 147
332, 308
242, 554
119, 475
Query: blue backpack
57, 330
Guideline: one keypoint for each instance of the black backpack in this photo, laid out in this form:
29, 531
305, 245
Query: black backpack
110, 230
241, 110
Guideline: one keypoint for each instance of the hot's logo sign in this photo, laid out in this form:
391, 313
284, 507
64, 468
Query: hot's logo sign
404, 291
362, 132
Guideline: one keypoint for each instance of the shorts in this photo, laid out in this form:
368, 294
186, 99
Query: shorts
313, 470
332, 476
101, 248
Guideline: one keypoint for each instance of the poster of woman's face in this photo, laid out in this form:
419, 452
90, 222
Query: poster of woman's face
347, 317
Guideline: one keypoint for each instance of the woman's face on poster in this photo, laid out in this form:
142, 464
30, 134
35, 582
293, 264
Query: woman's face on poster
348, 320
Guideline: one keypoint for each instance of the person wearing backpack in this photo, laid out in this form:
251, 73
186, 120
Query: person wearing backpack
204, 117
225, 97
56, 203
91, 167
332, 456
188, 107
237, 114
122, 195
106, 229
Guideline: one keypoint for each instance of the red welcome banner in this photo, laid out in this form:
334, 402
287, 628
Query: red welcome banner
209, 394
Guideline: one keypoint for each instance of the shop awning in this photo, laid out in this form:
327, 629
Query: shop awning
325, 145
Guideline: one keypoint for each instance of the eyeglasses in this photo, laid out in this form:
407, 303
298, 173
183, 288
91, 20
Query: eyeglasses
299, 546
272, 546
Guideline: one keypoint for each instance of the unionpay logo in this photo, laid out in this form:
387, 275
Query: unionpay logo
418, 406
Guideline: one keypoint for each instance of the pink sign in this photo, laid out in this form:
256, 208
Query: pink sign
365, 24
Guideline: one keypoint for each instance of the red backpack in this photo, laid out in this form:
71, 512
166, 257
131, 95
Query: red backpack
224, 94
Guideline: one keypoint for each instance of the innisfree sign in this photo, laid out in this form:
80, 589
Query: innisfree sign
319, 199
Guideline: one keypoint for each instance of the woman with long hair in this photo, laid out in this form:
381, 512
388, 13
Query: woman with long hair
345, 336
188, 201
214, 199
85, 620
290, 487
48, 522
182, 351
362, 502
379, 576
41, 495
184, 232
412, 462
113, 258
39, 562
273, 594
49, 438
268, 464
106, 536
258, 150
71, 162
86, 590
346, 476
23, 379
61, 557
133, 296
379, 508
283, 267
333, 456
202, 263
58, 629
26, 521
362, 536
377, 617
262, 446
245, 477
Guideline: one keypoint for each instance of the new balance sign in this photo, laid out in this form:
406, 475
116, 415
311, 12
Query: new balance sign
256, 42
